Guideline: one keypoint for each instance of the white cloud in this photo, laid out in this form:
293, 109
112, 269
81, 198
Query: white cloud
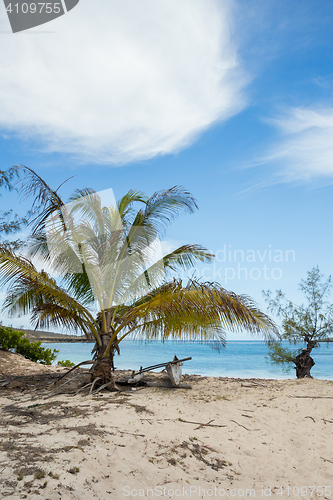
121, 80
306, 148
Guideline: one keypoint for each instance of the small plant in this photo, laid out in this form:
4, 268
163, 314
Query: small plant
40, 474
66, 363
54, 476
74, 470
20, 476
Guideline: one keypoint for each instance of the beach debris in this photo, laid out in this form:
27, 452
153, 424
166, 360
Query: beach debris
198, 451
326, 460
200, 424
240, 425
311, 418
173, 369
136, 378
253, 383
325, 421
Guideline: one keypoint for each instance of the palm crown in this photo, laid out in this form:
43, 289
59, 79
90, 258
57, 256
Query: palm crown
109, 256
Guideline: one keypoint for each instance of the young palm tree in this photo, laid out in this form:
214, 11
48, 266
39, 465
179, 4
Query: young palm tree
106, 256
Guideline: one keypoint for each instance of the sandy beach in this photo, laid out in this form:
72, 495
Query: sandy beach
222, 438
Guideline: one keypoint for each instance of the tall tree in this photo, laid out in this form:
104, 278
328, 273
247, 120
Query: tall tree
107, 258
308, 323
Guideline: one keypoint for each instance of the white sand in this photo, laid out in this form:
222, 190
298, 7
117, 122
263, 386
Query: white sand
136, 445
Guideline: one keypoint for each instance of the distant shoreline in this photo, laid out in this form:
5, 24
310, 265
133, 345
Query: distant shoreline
51, 337
54, 338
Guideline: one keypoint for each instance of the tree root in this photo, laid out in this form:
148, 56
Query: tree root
89, 362
93, 384
104, 386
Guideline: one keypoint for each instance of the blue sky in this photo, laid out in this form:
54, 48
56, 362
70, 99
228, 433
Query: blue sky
231, 99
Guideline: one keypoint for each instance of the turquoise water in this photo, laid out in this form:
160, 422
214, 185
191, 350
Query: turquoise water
239, 359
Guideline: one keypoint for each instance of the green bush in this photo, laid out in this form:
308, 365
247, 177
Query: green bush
66, 363
9, 338
12, 339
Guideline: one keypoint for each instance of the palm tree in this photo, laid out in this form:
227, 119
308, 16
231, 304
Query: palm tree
106, 256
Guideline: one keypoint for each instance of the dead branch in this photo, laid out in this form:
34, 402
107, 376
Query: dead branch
200, 424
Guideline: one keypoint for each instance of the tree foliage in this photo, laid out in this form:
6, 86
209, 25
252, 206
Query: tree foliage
306, 323
13, 340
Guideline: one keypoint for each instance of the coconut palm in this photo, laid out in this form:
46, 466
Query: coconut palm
108, 257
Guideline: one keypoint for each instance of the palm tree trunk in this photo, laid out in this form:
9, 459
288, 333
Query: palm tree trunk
103, 366
304, 362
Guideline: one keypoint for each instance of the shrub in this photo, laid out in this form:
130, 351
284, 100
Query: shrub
66, 363
12, 339
9, 338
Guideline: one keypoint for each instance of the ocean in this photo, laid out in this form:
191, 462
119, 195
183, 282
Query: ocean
239, 359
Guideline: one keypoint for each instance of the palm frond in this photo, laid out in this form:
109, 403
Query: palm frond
46, 201
186, 257
31, 291
164, 206
197, 310
125, 207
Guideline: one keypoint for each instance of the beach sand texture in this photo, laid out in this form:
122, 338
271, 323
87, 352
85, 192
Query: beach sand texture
261, 435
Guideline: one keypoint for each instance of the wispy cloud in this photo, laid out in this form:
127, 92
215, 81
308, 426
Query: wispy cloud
122, 81
305, 148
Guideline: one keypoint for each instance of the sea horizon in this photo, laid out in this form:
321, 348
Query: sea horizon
238, 359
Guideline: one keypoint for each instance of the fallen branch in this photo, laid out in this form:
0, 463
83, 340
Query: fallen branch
311, 418
67, 382
76, 366
200, 424
82, 388
326, 460
253, 384
240, 425
203, 425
